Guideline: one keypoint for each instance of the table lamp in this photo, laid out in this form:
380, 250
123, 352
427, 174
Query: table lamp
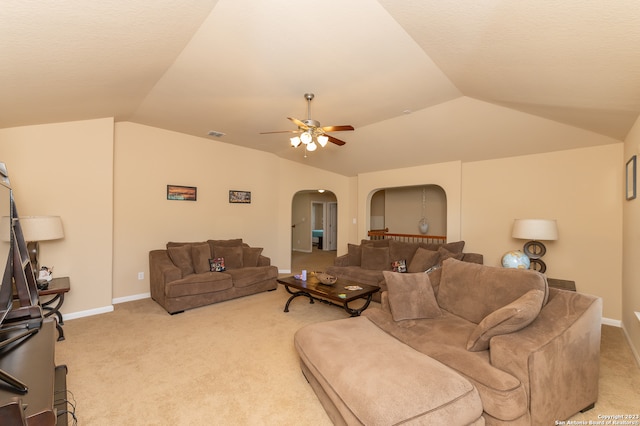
535, 230
39, 228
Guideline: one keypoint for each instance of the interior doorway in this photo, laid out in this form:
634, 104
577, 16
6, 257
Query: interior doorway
314, 228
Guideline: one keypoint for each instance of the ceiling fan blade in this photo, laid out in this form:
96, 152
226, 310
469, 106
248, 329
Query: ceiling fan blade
337, 128
298, 123
280, 131
335, 140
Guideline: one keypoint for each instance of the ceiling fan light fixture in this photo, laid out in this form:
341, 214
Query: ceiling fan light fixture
322, 140
312, 146
295, 141
306, 138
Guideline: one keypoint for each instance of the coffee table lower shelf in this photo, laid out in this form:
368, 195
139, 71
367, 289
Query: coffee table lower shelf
329, 294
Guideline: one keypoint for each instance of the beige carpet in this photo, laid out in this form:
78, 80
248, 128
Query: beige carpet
233, 363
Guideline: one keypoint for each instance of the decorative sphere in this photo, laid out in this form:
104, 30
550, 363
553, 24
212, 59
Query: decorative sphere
515, 259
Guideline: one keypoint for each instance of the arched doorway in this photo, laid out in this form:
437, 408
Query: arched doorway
401, 209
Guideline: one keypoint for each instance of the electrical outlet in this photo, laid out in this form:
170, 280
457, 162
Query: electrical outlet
141, 275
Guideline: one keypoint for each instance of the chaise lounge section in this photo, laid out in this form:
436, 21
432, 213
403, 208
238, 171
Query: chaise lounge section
181, 276
529, 351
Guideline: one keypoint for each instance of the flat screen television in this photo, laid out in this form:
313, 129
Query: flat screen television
6, 243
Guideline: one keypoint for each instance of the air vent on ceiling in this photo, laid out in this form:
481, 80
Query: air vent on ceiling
215, 134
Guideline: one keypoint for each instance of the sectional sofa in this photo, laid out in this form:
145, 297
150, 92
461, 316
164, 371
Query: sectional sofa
464, 344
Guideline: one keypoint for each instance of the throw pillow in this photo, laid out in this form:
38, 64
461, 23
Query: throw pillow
423, 260
181, 257
354, 254
217, 264
399, 266
446, 254
411, 296
233, 256
223, 243
250, 256
375, 258
200, 254
508, 319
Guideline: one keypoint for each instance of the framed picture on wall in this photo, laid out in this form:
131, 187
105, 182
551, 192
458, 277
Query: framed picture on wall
243, 197
630, 185
182, 193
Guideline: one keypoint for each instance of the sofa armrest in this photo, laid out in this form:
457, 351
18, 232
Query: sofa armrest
557, 357
264, 261
161, 271
341, 260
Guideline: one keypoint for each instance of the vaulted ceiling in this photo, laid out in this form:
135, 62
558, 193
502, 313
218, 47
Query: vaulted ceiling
422, 81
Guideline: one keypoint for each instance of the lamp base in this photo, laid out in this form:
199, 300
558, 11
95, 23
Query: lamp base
535, 250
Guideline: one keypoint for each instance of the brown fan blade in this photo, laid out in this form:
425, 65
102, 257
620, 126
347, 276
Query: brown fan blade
335, 140
337, 128
298, 123
280, 131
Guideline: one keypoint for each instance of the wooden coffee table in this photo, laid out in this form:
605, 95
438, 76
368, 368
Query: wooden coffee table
335, 294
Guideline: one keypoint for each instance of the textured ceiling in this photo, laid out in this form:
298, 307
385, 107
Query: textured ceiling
481, 79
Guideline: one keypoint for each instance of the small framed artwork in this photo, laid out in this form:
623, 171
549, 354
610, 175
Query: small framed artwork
182, 193
630, 185
243, 197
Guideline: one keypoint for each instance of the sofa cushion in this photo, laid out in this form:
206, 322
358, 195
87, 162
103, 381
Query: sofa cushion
200, 255
444, 339
375, 258
447, 254
473, 291
233, 256
411, 296
354, 253
423, 259
181, 257
195, 284
508, 319
454, 247
237, 242
251, 275
400, 250
250, 256
380, 381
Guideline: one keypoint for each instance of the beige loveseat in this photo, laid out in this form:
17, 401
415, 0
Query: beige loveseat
364, 263
181, 276
530, 352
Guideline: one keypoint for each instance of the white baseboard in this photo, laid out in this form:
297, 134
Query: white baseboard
131, 298
88, 313
612, 322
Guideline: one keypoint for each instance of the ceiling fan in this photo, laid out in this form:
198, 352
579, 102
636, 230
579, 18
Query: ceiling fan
310, 131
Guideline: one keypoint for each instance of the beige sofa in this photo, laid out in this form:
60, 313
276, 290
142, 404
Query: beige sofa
364, 263
531, 352
181, 276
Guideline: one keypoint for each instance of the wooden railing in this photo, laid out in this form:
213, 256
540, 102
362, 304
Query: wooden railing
383, 234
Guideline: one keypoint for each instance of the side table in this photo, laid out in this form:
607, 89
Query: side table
57, 288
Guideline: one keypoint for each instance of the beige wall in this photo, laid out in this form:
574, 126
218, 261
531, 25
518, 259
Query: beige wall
112, 200
631, 251
580, 188
66, 169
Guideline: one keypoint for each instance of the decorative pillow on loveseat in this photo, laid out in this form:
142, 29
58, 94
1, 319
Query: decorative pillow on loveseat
233, 256
375, 258
423, 259
181, 257
410, 296
508, 319
200, 254
250, 256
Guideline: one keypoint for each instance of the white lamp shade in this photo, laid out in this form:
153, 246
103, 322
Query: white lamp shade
535, 229
41, 228
312, 146
322, 140
295, 142
306, 137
